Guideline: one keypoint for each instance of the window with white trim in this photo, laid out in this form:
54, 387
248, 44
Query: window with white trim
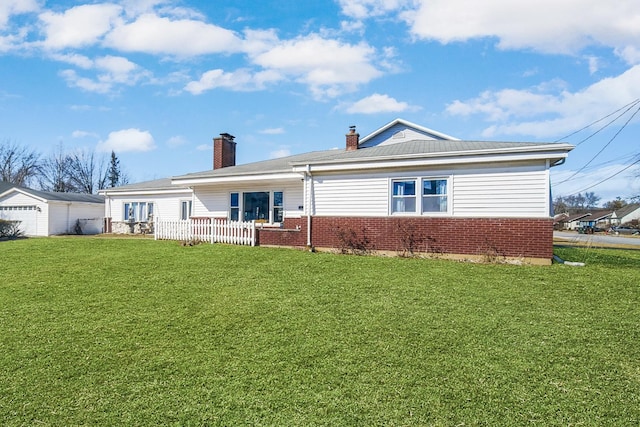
434, 195
403, 197
185, 209
138, 211
259, 206
422, 196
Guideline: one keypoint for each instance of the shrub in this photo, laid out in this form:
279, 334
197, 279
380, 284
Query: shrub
10, 229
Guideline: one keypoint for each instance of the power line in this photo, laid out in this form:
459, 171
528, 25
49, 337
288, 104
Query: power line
629, 105
607, 144
607, 178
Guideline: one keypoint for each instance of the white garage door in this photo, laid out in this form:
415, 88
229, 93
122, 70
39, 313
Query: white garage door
25, 214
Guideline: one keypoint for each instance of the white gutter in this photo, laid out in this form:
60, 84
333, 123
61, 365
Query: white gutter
433, 161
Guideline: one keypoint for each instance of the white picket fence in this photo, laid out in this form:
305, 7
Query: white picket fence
206, 230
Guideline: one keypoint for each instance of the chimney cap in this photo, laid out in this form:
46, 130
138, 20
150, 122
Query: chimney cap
227, 136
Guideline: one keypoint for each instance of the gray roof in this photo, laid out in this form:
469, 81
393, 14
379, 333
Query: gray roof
55, 196
156, 184
409, 149
4, 186
622, 212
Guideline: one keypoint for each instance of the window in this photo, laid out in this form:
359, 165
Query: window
277, 206
433, 196
17, 208
404, 196
259, 206
235, 206
138, 211
185, 209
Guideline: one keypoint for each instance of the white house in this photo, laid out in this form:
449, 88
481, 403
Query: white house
625, 215
43, 213
401, 188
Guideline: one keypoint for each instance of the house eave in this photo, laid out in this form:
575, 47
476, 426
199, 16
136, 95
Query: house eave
449, 158
148, 192
236, 178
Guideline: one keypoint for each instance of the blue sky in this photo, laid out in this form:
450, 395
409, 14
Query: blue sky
157, 80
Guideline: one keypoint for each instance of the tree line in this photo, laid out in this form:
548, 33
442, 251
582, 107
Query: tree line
78, 171
583, 203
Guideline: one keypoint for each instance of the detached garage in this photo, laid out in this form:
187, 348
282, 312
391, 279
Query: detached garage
43, 213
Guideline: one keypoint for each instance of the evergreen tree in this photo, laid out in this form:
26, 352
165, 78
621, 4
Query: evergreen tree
114, 170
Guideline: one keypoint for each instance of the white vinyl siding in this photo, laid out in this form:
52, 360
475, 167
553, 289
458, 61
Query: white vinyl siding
351, 195
511, 191
507, 194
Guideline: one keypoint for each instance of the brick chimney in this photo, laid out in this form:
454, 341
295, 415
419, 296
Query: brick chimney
224, 151
353, 139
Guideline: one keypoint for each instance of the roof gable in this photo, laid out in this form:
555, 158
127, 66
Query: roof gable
399, 131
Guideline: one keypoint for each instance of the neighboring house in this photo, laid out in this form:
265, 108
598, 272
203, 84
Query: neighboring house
628, 214
43, 213
596, 218
573, 222
131, 208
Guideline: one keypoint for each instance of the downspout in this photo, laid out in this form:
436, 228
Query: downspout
308, 189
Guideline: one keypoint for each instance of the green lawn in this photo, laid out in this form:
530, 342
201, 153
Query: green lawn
97, 331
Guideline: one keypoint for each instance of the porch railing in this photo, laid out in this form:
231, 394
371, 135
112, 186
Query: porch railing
206, 230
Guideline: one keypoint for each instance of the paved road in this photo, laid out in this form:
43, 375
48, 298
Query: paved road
596, 239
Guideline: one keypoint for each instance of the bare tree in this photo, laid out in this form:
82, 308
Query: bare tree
616, 204
87, 173
18, 165
55, 172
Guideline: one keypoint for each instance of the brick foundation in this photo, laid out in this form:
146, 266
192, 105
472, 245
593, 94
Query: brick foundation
485, 237
292, 234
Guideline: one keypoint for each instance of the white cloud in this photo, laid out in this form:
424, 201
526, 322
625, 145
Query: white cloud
83, 134
328, 66
361, 9
176, 141
547, 26
377, 103
15, 7
282, 152
112, 71
127, 140
79, 26
549, 110
239, 80
76, 59
183, 37
272, 131
204, 147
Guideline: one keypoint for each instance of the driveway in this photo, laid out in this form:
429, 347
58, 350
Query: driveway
599, 239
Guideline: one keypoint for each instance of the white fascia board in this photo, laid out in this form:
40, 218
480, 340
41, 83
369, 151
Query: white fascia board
237, 178
26, 193
449, 159
144, 192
